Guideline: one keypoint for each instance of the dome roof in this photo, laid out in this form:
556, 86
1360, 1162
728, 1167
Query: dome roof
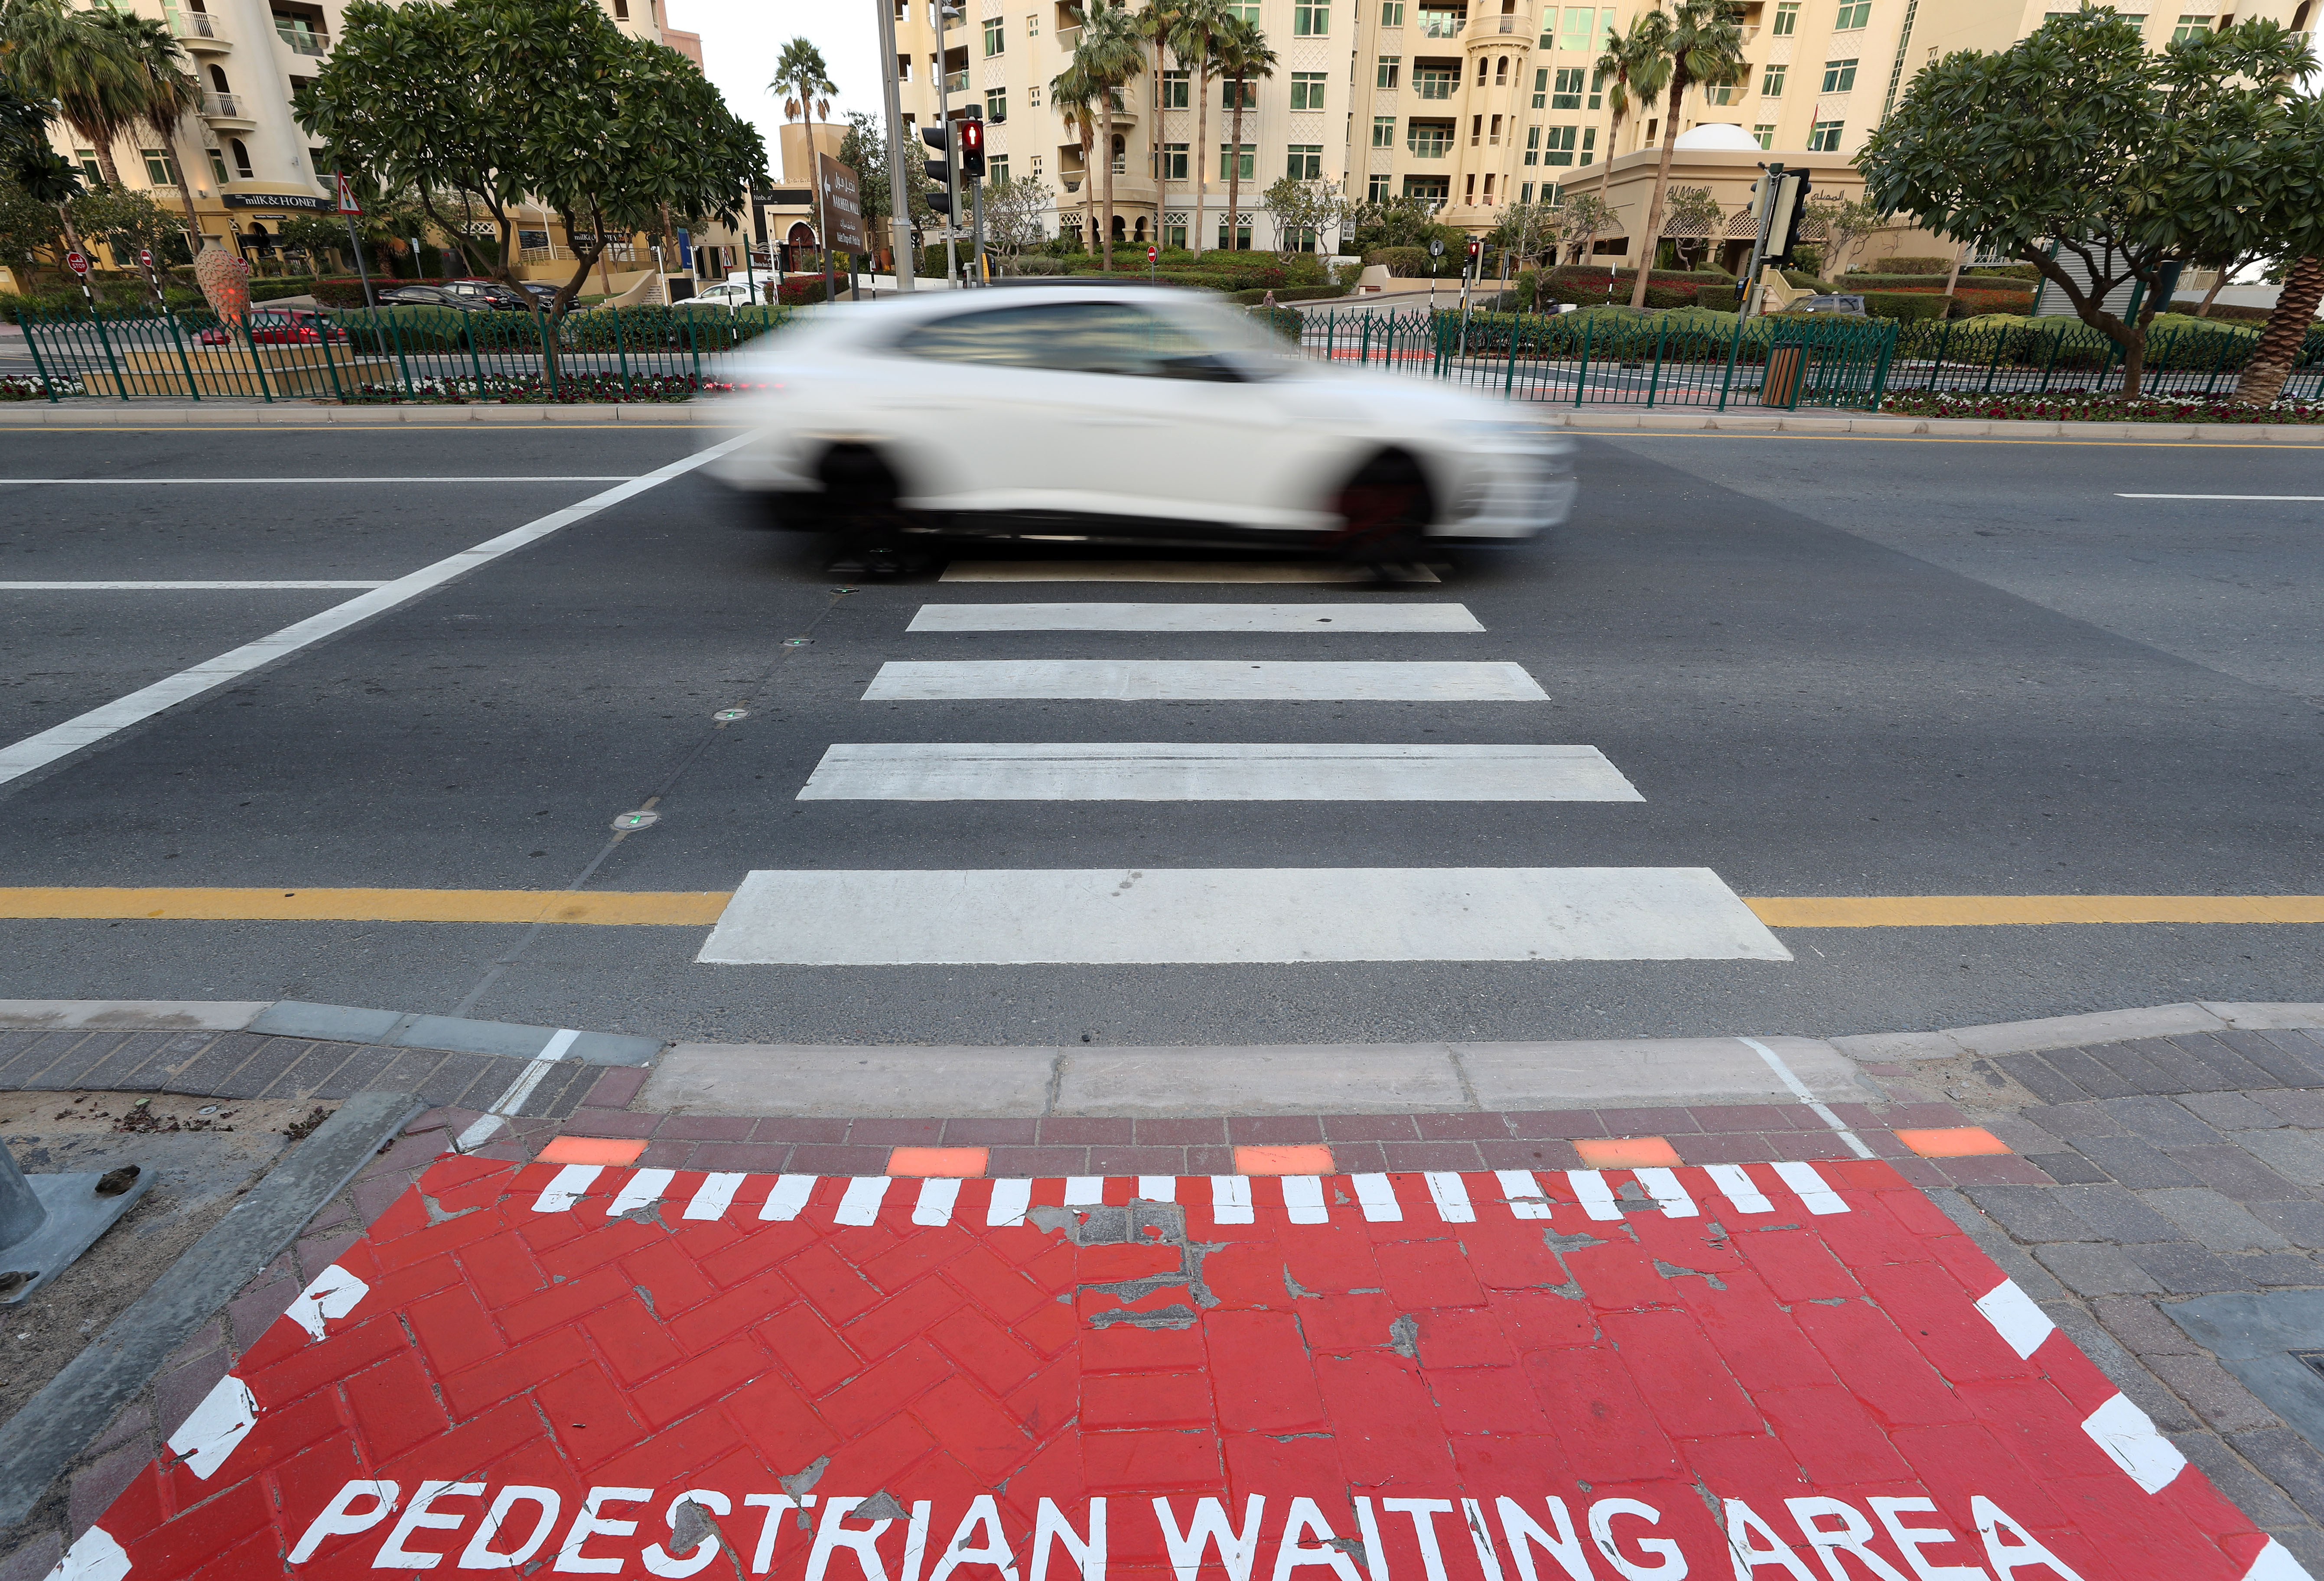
1716, 134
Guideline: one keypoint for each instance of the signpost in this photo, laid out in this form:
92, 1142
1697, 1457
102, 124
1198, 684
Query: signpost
152, 280
79, 263
1435, 261
348, 209
840, 197
1151, 255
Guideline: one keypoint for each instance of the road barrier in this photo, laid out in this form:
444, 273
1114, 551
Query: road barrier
393, 354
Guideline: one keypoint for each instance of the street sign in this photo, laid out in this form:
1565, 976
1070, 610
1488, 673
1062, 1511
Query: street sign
78, 263
145, 258
843, 205
347, 204
1150, 255
1647, 1372
1437, 249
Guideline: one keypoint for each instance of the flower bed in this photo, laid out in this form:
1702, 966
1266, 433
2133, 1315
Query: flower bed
2080, 405
16, 387
533, 390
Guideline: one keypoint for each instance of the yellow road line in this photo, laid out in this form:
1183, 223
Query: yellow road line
1986, 911
2294, 445
701, 908
678, 908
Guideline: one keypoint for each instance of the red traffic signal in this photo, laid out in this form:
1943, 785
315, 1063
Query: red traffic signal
1475, 248
972, 150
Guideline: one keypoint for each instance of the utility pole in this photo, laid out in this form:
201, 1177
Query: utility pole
899, 200
949, 8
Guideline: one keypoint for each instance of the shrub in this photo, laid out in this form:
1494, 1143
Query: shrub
1292, 294
1916, 265
1800, 279
2004, 271
1284, 321
800, 290
1404, 263
2227, 312
1904, 305
1035, 264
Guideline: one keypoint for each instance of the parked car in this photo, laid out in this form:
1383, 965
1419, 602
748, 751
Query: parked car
1120, 413
280, 327
497, 295
431, 297
728, 294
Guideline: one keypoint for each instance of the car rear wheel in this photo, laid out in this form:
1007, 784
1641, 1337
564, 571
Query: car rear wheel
1384, 513
861, 495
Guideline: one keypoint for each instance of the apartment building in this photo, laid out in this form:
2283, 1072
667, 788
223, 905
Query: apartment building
247, 161
1472, 105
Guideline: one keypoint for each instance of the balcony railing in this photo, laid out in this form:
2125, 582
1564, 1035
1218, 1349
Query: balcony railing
192, 25
304, 41
1435, 88
1438, 24
956, 82
1430, 149
222, 105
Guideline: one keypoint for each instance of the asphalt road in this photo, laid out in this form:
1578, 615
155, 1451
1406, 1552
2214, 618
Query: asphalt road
1829, 667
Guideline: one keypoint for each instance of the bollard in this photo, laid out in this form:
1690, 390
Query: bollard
46, 1221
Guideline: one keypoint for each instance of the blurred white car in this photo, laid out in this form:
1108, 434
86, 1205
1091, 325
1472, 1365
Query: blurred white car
727, 294
1121, 415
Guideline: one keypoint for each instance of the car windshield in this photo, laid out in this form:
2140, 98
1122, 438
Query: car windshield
1095, 338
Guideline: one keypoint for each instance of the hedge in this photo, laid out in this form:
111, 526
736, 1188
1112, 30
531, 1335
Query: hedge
1905, 306
1292, 294
1917, 265
2222, 311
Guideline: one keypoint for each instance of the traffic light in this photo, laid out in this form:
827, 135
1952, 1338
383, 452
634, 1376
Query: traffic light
939, 138
1475, 253
972, 150
1777, 202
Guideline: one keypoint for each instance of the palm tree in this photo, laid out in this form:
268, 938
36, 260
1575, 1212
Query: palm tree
1076, 98
2270, 362
1108, 55
1705, 44
72, 57
1635, 63
172, 92
1194, 38
800, 74
1154, 25
1243, 57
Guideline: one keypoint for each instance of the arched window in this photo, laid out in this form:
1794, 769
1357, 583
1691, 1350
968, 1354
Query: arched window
1142, 228
218, 79
1120, 146
1481, 64
241, 157
1502, 72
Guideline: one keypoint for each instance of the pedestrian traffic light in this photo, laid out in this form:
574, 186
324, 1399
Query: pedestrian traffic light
972, 150
940, 139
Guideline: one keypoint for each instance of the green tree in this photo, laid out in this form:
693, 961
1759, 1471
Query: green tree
2285, 332
1194, 38
1108, 55
1636, 64
33, 178
1302, 210
78, 61
476, 105
1014, 212
1693, 223
1243, 59
801, 76
2076, 141
129, 221
1076, 97
1582, 219
1526, 231
168, 91
1399, 222
1846, 222
1704, 44
29, 227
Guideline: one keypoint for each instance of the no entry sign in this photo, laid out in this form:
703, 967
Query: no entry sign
1747, 1371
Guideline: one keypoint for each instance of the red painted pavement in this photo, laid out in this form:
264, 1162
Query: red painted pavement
1723, 1371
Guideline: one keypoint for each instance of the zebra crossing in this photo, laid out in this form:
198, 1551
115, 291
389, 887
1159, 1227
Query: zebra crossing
1218, 915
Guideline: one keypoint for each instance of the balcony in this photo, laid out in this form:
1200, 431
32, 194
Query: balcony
956, 82
1435, 149
222, 106
304, 41
1442, 24
1433, 87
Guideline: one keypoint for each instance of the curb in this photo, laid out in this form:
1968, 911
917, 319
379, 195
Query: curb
347, 1024
1689, 422
132, 415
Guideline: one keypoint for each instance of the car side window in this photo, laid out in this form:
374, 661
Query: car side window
1079, 337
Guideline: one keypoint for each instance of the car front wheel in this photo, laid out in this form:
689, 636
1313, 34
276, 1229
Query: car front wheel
1384, 512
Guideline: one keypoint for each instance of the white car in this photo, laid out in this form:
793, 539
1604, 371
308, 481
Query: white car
1120, 413
727, 294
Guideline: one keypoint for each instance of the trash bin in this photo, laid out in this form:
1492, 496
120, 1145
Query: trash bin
1786, 364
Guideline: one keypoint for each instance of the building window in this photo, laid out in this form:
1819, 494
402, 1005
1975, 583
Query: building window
1559, 150
621, 10
1771, 82
1121, 156
1541, 88
1476, 130
1248, 10
1839, 76
1433, 82
1468, 192
1307, 90
903, 68
1037, 167
161, 168
996, 170
1525, 193
1765, 134
1652, 127
1429, 140
1033, 96
1533, 145
217, 166
1247, 163
1824, 138
1389, 66
1853, 15
1173, 90
1248, 92
1242, 242
1391, 12
1378, 189
1428, 188
1173, 234
1567, 94
2189, 28
241, 158
1303, 161
1383, 131
1787, 19
1481, 64
1578, 28
1597, 88
86, 158
996, 105
1311, 19
1174, 161
1033, 27
996, 36
1495, 136
1502, 72
1589, 145
1438, 23
1489, 187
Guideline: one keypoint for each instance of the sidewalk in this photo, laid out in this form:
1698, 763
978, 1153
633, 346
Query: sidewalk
1768, 1326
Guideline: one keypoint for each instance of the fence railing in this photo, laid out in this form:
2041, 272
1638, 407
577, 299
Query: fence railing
394, 353
1841, 361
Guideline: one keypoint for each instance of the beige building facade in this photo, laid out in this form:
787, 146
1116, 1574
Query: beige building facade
1472, 105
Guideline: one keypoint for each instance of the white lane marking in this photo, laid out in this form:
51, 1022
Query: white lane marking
1230, 1199
1736, 1184
1596, 1198
334, 1293
1798, 1089
935, 1203
861, 1202
223, 1420
643, 1189
1010, 1201
715, 1196
2021, 1325
615, 477
1302, 1199
1196, 680
2128, 1437
1663, 1186
1211, 771
1085, 1190
1325, 618
2274, 1562
61, 741
1121, 916
1450, 1194
175, 587
1376, 1194
486, 1125
789, 1195
1524, 1195
1813, 1190
2287, 499
1158, 1188
569, 1185
1163, 570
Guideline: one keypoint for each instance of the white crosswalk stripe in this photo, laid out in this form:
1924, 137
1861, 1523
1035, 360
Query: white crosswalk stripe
1325, 620
1235, 571
1202, 680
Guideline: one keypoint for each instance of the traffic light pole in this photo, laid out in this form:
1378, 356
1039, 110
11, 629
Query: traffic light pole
899, 200
976, 221
951, 154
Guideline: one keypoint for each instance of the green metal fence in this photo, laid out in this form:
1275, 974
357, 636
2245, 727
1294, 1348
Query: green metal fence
395, 353
1668, 359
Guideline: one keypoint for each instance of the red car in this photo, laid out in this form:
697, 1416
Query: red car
281, 327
